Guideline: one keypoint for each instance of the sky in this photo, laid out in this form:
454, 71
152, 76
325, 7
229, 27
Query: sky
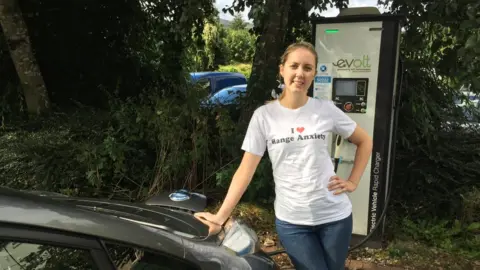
332, 12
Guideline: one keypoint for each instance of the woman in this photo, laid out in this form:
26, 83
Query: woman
313, 212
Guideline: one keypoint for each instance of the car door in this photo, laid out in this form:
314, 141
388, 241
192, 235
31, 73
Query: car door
23, 248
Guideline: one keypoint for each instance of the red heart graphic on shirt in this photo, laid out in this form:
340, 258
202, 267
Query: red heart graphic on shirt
300, 129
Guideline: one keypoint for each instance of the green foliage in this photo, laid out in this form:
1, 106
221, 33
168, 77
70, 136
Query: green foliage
168, 139
215, 49
455, 236
297, 16
219, 46
209, 50
446, 235
261, 188
471, 206
238, 23
240, 45
47, 154
440, 161
90, 51
245, 69
435, 155
142, 146
153, 134
444, 35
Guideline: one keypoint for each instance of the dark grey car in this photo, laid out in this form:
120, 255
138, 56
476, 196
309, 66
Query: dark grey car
41, 230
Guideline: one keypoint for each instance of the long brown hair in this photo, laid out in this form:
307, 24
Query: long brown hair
291, 48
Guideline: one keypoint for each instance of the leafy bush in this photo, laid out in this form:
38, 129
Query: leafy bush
46, 154
245, 69
471, 206
138, 148
436, 159
447, 235
240, 45
261, 188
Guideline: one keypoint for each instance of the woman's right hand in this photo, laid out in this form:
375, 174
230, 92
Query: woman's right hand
239, 184
213, 221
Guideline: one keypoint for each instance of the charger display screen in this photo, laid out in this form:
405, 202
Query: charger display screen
350, 94
345, 88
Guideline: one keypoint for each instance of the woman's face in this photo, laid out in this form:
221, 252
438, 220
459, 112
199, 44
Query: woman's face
298, 71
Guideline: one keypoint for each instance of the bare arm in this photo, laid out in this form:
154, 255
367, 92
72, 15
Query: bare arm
364, 149
240, 181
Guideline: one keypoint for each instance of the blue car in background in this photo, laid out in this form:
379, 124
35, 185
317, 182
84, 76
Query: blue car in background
224, 88
229, 95
215, 81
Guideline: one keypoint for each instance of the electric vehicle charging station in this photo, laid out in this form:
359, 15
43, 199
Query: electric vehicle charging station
358, 59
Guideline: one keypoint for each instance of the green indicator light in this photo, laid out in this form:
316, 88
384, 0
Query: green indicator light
331, 31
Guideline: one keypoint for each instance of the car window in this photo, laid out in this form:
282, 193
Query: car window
204, 83
228, 96
130, 258
29, 256
226, 82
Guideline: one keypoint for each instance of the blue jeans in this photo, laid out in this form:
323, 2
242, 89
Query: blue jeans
322, 247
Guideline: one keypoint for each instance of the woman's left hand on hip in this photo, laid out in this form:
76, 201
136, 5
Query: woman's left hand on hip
340, 185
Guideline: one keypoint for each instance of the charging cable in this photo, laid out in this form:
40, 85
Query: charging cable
337, 158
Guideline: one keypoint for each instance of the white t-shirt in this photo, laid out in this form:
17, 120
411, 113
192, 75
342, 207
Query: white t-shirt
296, 140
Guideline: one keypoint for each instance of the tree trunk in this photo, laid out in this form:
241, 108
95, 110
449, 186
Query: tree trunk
16, 35
269, 48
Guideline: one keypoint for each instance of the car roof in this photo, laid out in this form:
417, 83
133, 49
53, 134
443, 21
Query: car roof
138, 224
234, 87
203, 74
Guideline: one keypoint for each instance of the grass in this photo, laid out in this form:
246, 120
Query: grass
244, 68
410, 254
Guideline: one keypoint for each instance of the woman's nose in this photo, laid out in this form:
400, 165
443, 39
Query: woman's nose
300, 72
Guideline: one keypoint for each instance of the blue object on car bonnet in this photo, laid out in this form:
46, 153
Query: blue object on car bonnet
179, 199
179, 196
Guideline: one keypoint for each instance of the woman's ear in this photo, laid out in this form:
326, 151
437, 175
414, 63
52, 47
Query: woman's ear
281, 71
